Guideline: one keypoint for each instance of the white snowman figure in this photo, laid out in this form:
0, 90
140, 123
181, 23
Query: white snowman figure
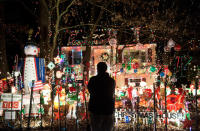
30, 69
30, 74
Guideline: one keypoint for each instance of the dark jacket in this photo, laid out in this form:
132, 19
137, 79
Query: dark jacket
101, 89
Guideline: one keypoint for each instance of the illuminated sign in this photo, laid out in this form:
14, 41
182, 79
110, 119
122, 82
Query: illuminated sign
10, 101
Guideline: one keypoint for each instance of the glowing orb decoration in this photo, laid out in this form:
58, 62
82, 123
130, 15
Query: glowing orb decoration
170, 43
113, 42
162, 74
31, 50
135, 70
174, 79
17, 73
59, 74
177, 47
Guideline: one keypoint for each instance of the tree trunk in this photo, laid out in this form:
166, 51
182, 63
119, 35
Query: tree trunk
3, 56
44, 31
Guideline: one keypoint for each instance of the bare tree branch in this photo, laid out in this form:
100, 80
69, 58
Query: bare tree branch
56, 29
102, 7
66, 10
28, 9
71, 27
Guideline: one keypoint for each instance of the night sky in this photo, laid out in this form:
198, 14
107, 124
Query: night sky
25, 13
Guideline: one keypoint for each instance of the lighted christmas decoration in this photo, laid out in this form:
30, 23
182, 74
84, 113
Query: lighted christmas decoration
30, 73
170, 43
72, 101
3, 85
104, 57
177, 47
57, 60
59, 98
152, 68
59, 74
51, 65
113, 42
167, 49
46, 94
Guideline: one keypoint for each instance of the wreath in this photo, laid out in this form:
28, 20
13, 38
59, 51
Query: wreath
104, 57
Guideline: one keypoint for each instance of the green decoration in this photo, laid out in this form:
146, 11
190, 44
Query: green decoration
152, 69
123, 65
72, 95
41, 99
188, 116
129, 67
150, 120
62, 56
41, 110
22, 111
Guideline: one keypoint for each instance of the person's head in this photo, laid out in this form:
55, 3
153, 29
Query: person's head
101, 67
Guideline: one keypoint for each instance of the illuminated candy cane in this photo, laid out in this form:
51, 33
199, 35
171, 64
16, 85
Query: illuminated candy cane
178, 61
188, 61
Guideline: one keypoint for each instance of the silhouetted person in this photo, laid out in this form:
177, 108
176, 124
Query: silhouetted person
101, 104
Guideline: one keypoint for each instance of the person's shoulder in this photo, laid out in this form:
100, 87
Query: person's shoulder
112, 79
92, 78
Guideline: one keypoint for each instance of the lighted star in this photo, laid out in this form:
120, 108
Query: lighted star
57, 59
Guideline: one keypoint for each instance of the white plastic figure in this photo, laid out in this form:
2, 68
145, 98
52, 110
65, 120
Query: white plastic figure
30, 73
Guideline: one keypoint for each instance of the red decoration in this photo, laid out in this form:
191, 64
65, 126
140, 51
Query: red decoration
84, 117
57, 116
175, 102
3, 85
72, 89
130, 92
177, 47
88, 64
133, 65
148, 93
58, 91
187, 123
137, 65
